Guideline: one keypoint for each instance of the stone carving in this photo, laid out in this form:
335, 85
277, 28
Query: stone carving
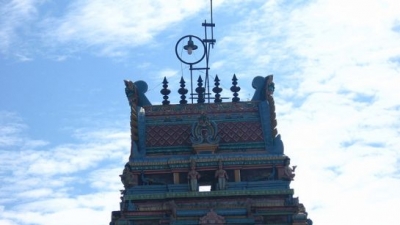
272, 175
288, 172
128, 178
222, 177
193, 176
131, 206
212, 218
145, 180
269, 91
139, 91
265, 88
204, 135
171, 205
135, 92
132, 95
258, 84
301, 215
248, 203
204, 131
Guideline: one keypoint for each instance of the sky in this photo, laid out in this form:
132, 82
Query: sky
64, 116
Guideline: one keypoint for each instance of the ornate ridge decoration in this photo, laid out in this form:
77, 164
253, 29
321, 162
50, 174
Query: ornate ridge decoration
212, 218
211, 194
204, 135
131, 92
269, 91
224, 107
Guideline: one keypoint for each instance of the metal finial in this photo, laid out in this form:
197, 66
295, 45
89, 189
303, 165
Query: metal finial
235, 89
165, 91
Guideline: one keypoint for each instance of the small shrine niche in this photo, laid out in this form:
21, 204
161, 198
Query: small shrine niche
204, 135
208, 180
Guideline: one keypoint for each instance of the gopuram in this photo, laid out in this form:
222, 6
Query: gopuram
208, 161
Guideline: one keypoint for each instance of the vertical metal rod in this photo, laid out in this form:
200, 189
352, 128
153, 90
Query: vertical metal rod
207, 68
206, 82
208, 53
191, 82
212, 28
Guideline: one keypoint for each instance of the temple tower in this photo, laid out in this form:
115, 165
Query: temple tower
207, 163
206, 160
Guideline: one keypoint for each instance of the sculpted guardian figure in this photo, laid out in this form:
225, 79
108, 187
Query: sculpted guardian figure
288, 172
193, 176
222, 177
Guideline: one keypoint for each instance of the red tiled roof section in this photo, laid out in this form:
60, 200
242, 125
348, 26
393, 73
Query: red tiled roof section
170, 135
231, 132
179, 135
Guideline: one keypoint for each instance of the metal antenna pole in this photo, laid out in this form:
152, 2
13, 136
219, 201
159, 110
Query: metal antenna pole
206, 44
212, 30
209, 42
191, 82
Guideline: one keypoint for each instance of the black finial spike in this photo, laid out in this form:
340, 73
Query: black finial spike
235, 89
182, 91
200, 90
165, 91
217, 90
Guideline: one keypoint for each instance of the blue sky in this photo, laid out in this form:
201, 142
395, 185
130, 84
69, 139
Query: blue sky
64, 117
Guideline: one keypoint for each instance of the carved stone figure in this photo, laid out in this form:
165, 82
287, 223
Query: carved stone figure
128, 178
301, 214
171, 205
131, 206
146, 180
193, 176
222, 177
204, 131
272, 175
248, 203
212, 218
288, 172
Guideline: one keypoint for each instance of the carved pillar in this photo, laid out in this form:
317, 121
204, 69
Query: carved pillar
237, 176
176, 178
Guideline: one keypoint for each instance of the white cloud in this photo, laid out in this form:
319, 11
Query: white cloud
10, 127
114, 26
13, 15
106, 27
36, 193
336, 99
168, 73
55, 182
106, 178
